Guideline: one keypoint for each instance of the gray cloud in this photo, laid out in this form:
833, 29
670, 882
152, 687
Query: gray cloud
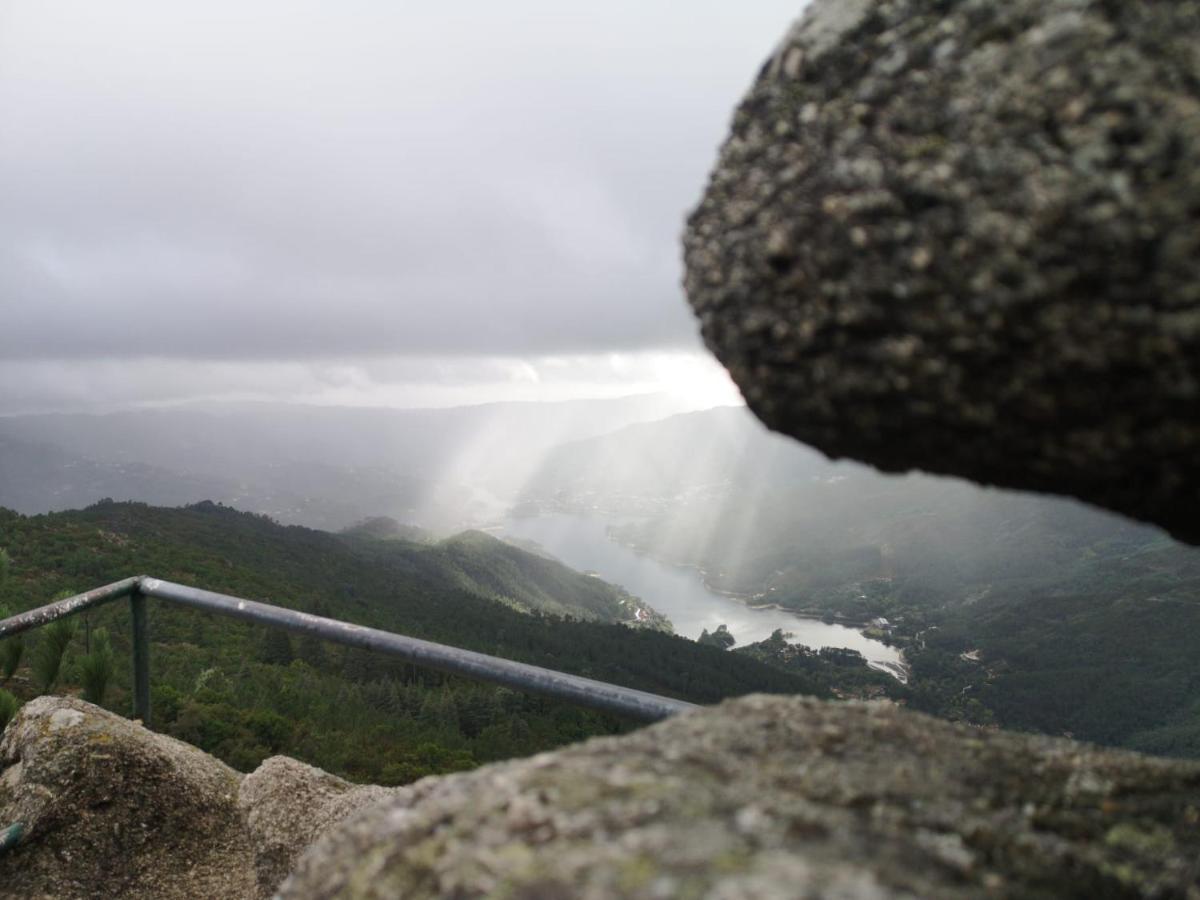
292, 181
690, 380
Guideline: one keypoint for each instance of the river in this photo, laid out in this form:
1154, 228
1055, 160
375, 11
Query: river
680, 594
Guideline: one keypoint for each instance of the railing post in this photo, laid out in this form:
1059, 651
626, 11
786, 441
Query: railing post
141, 656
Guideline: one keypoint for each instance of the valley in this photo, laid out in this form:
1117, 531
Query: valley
682, 594
997, 608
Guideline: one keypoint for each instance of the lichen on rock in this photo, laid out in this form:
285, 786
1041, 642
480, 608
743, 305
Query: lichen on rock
113, 810
774, 797
287, 804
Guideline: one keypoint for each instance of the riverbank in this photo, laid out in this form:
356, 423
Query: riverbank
823, 615
682, 592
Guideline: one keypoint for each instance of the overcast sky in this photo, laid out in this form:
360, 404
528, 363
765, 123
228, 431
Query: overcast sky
358, 202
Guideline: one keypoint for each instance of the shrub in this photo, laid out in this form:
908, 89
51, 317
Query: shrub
11, 649
96, 668
8, 708
11, 652
48, 655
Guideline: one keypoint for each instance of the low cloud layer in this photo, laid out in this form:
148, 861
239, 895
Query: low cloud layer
689, 381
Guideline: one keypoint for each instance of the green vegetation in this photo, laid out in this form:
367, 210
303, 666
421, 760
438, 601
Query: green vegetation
97, 667
234, 691
385, 528
488, 567
48, 654
1108, 655
844, 672
1025, 611
721, 638
11, 651
8, 708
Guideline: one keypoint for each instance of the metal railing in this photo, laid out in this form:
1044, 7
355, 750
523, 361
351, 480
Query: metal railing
587, 692
534, 679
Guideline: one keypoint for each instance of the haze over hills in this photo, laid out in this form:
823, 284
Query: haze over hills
324, 467
770, 519
644, 466
1026, 610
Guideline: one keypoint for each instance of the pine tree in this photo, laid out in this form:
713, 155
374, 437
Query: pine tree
276, 647
8, 708
96, 669
311, 649
720, 638
48, 655
11, 651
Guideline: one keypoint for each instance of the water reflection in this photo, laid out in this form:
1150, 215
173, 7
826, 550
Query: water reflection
680, 594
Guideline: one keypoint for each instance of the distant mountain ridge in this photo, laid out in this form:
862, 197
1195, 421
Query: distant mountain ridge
666, 459
324, 467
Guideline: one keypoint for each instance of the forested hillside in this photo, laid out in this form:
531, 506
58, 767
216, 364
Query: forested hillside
244, 692
1023, 610
484, 565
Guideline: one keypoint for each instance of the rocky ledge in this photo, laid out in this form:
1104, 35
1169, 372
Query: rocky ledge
111, 809
774, 797
763, 797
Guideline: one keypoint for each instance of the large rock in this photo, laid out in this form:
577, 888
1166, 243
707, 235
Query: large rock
114, 810
781, 797
965, 237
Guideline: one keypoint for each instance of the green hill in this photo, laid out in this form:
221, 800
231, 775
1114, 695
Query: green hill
484, 565
243, 692
481, 564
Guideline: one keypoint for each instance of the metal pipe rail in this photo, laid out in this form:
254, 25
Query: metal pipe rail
582, 691
587, 692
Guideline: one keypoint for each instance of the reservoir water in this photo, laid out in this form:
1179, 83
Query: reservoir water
680, 594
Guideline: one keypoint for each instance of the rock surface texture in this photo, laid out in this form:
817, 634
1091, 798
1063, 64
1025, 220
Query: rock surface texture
772, 797
287, 804
113, 810
762, 797
965, 237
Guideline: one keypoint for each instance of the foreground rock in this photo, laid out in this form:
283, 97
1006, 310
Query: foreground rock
782, 797
286, 805
966, 238
114, 810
